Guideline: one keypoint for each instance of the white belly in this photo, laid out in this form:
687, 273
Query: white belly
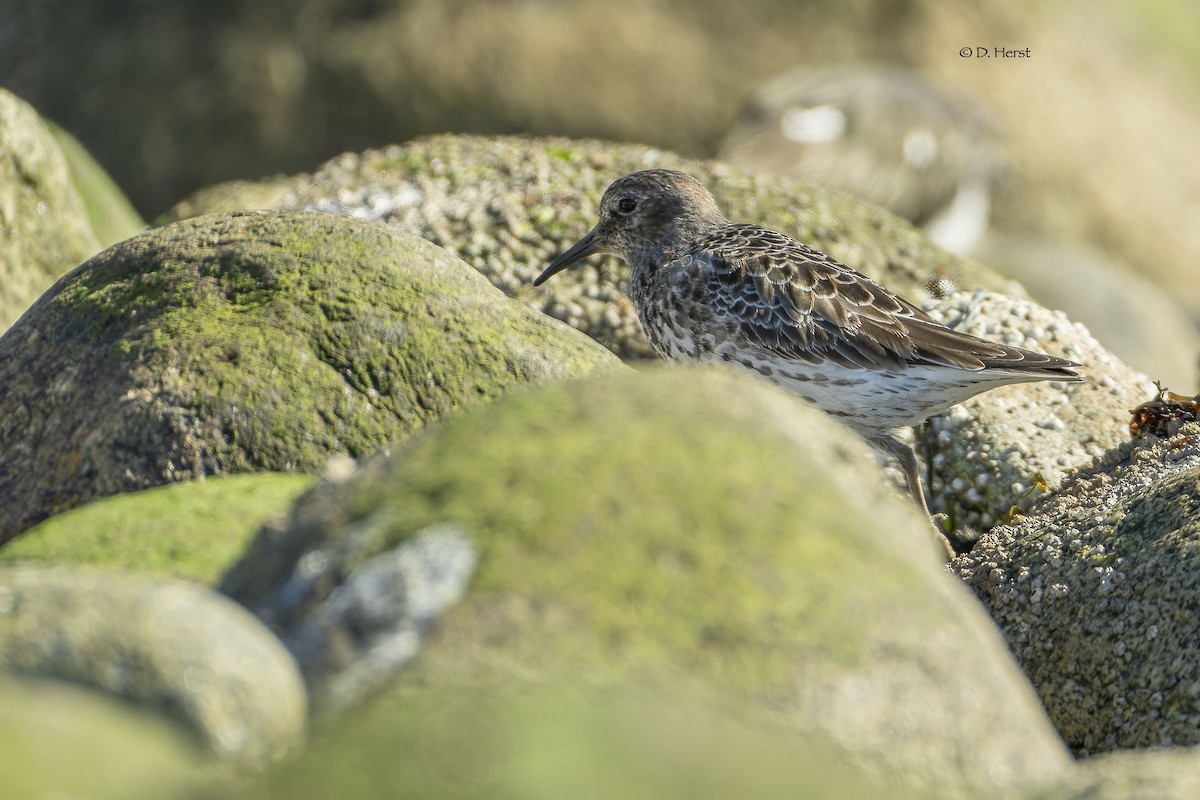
872, 401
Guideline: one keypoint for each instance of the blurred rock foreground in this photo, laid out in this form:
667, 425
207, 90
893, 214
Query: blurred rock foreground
731, 567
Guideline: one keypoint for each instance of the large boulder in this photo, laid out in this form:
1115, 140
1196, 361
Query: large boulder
699, 534
251, 342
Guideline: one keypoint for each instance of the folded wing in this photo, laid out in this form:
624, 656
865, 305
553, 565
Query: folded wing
801, 304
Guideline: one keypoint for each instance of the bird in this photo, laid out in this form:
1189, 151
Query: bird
713, 291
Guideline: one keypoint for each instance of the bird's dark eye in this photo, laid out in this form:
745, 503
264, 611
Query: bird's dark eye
626, 205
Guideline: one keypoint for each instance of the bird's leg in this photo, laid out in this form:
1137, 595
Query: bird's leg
907, 460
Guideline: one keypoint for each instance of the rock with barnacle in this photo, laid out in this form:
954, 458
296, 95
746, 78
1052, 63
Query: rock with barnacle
1002, 451
1093, 592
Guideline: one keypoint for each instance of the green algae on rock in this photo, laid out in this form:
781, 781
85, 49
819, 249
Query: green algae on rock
508, 205
252, 342
46, 227
192, 530
692, 532
168, 645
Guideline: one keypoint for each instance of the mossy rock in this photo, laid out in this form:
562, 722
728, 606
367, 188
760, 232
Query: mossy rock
248, 343
695, 533
46, 227
508, 205
193, 530
64, 740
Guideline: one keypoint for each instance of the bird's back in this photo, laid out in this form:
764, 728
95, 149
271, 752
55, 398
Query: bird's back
802, 305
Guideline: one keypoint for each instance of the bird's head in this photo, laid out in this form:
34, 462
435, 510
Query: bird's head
642, 216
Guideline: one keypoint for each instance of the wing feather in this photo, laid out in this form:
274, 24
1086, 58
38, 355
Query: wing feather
801, 304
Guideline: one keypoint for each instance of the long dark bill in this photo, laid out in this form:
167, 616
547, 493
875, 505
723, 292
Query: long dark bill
580, 250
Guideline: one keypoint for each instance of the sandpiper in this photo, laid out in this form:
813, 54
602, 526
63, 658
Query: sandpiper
710, 290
